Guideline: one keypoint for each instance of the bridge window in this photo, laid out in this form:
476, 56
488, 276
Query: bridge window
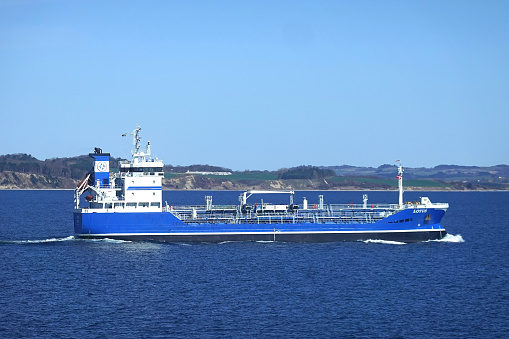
141, 169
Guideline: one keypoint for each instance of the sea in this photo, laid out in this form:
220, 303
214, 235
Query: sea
53, 285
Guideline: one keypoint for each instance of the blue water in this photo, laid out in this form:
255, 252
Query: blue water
55, 286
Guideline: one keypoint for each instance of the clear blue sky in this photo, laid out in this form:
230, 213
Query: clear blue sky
258, 84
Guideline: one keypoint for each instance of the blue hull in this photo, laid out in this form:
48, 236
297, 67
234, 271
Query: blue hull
404, 226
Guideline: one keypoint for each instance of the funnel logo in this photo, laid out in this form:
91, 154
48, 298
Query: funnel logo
102, 166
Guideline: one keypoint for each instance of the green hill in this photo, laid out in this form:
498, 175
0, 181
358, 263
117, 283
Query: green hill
26, 172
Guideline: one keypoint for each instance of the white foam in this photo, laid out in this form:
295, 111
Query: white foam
451, 238
386, 242
41, 241
226, 242
108, 240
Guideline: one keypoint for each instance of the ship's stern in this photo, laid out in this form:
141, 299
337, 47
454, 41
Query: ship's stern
78, 227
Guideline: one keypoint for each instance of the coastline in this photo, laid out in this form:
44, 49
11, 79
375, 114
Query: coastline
24, 181
407, 189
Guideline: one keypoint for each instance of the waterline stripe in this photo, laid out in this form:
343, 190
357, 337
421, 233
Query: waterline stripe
265, 232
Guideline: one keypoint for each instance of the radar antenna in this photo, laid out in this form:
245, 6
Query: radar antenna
136, 140
400, 183
137, 155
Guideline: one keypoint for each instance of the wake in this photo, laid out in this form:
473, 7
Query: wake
65, 239
386, 242
40, 241
106, 240
448, 238
451, 238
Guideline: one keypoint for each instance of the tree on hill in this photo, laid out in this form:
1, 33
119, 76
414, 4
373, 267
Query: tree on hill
386, 166
74, 167
195, 168
305, 172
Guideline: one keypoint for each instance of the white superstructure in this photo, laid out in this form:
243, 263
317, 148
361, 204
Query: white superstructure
137, 185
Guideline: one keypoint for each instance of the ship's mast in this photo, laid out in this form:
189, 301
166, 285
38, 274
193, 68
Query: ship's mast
400, 184
137, 155
136, 140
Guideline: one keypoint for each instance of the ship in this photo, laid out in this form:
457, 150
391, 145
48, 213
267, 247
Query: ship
128, 205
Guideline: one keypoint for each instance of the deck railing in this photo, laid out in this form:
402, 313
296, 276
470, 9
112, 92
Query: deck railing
231, 214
